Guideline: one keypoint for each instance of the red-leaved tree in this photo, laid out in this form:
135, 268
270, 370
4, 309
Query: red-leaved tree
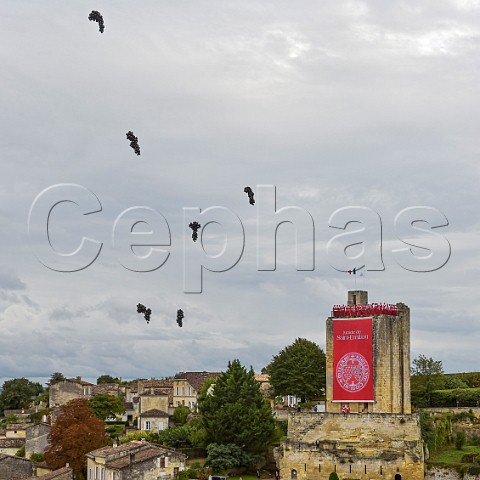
76, 432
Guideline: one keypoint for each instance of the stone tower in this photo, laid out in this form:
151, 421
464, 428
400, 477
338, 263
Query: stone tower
390, 369
368, 431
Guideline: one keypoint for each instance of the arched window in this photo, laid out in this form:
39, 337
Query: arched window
294, 475
398, 476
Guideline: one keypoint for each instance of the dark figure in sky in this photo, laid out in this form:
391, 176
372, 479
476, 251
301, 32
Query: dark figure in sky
133, 142
97, 17
249, 192
194, 226
146, 311
180, 318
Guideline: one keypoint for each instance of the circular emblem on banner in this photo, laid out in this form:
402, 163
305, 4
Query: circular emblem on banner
353, 372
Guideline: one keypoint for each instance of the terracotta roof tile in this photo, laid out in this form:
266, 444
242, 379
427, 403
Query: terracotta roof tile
154, 412
105, 389
157, 383
56, 473
18, 426
139, 457
12, 442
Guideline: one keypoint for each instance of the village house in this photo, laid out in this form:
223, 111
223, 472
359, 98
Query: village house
13, 468
136, 460
12, 438
149, 395
153, 420
36, 438
187, 385
69, 389
265, 388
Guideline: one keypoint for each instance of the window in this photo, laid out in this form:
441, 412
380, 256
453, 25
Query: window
160, 426
183, 391
147, 425
178, 390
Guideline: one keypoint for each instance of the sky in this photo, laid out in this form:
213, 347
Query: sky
346, 115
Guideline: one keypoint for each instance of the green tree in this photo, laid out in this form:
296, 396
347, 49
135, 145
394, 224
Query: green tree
299, 370
180, 415
105, 406
107, 379
237, 412
451, 381
76, 432
18, 393
56, 377
427, 376
223, 457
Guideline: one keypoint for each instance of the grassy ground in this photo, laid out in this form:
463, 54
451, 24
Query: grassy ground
451, 455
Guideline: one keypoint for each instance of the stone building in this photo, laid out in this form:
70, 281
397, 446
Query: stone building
12, 438
187, 385
368, 431
69, 389
12, 468
153, 420
36, 439
136, 460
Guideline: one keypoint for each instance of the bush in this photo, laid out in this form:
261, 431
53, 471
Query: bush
21, 451
333, 476
474, 470
37, 457
466, 397
460, 440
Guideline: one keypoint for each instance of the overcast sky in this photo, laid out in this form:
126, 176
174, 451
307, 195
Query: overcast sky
336, 104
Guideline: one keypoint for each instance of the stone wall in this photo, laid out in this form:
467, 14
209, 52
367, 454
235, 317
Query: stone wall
63, 392
444, 473
149, 402
367, 446
36, 439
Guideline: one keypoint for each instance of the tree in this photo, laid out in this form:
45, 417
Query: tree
427, 376
451, 381
18, 393
105, 406
107, 379
299, 370
76, 432
180, 415
56, 377
223, 457
237, 412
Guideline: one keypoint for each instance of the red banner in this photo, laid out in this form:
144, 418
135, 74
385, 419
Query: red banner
352, 360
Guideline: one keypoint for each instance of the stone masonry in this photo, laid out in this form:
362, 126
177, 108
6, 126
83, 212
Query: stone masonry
379, 440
